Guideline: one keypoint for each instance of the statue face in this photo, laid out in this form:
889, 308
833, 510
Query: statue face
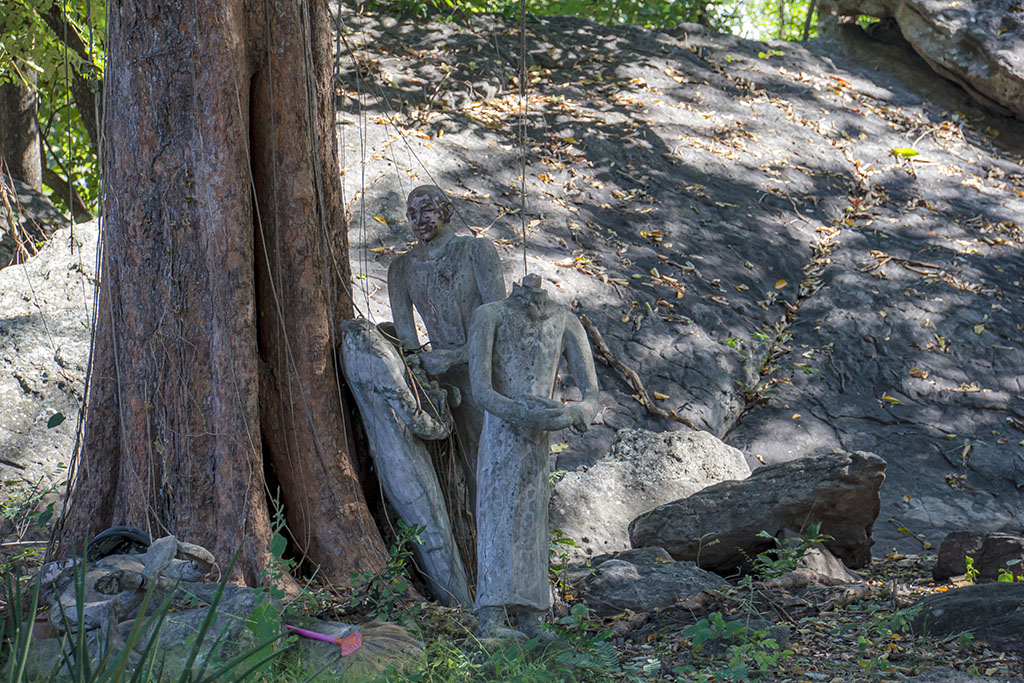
426, 218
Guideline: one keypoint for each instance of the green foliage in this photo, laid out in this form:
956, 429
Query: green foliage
748, 651
1006, 574
138, 658
34, 52
759, 19
559, 553
379, 594
971, 573
787, 554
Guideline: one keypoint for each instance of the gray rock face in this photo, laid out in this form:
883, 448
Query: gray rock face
44, 349
718, 526
642, 470
631, 581
993, 612
975, 43
990, 552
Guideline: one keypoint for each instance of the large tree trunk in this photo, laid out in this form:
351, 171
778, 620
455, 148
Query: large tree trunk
224, 273
19, 132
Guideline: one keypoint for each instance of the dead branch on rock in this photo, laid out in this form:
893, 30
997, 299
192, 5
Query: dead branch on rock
603, 354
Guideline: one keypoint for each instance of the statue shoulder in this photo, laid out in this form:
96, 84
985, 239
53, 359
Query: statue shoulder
484, 312
398, 265
481, 246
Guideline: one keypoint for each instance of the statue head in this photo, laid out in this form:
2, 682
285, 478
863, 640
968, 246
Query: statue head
428, 210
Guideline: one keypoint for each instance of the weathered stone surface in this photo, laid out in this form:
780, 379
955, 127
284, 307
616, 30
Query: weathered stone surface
44, 348
642, 470
718, 526
386, 648
993, 612
820, 560
625, 581
991, 553
398, 421
515, 350
975, 43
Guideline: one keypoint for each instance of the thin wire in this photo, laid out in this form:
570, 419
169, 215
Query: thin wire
522, 125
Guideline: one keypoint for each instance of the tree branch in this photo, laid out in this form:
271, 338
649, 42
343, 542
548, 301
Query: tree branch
604, 355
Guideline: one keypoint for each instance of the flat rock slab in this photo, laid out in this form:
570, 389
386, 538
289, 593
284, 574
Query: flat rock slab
993, 612
990, 553
631, 581
718, 527
642, 470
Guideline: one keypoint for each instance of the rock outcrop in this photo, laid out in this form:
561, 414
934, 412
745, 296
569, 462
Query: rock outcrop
642, 581
26, 215
990, 554
642, 470
45, 307
992, 612
975, 43
718, 527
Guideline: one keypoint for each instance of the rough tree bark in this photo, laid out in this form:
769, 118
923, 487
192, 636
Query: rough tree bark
224, 273
19, 132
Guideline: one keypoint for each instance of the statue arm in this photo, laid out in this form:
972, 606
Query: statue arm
481, 349
401, 305
581, 364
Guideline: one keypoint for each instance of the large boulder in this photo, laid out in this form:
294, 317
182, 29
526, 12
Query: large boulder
642, 581
44, 349
642, 470
990, 553
975, 43
718, 527
993, 612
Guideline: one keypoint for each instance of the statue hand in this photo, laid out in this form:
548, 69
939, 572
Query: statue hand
439, 361
573, 417
538, 412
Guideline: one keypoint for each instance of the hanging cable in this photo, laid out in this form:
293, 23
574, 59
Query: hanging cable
522, 125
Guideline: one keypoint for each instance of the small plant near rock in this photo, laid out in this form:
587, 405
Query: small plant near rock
971, 573
772, 564
1006, 575
559, 555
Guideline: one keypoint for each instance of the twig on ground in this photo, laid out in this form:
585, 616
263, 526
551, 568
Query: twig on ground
604, 354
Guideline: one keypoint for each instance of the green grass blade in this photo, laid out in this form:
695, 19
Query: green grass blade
211, 615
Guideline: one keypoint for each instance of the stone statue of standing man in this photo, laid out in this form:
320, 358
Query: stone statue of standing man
445, 277
514, 350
